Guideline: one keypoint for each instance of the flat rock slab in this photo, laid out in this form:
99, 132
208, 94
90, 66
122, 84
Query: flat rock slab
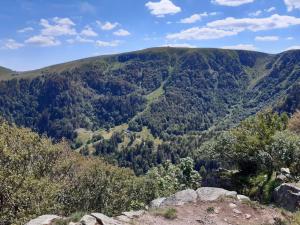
180, 198
43, 220
212, 194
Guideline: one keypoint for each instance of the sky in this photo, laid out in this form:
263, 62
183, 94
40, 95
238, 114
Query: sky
38, 33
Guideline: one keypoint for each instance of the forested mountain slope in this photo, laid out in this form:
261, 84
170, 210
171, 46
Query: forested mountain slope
172, 91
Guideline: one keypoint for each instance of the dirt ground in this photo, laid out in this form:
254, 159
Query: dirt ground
221, 212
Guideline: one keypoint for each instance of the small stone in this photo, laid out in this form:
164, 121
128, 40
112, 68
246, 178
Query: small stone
232, 205
236, 211
248, 216
285, 170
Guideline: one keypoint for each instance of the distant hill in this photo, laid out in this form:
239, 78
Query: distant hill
171, 91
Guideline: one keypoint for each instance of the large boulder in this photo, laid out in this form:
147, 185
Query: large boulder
212, 193
180, 198
288, 196
43, 220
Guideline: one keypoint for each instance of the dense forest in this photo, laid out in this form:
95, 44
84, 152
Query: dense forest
172, 91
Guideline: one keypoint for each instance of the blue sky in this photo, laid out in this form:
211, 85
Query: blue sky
37, 33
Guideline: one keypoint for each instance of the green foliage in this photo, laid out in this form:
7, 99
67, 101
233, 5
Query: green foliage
169, 213
258, 144
30, 168
168, 178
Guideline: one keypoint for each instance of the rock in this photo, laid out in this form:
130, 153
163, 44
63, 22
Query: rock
180, 198
282, 178
285, 171
288, 196
156, 203
232, 205
243, 198
105, 220
134, 214
123, 218
43, 220
89, 220
236, 211
212, 193
247, 216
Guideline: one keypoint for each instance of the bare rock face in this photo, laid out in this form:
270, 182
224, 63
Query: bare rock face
43, 220
288, 196
212, 193
180, 198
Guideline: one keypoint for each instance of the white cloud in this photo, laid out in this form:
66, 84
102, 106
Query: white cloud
248, 47
80, 40
232, 2
107, 43
257, 13
271, 9
266, 38
162, 8
255, 24
43, 41
88, 32
59, 27
25, 29
197, 33
122, 32
295, 47
194, 18
290, 38
12, 44
180, 45
292, 4
107, 25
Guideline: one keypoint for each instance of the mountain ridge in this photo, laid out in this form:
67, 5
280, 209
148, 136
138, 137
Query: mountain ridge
199, 89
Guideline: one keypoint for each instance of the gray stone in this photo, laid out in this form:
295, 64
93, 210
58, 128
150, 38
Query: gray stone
156, 203
288, 196
180, 198
247, 216
212, 193
285, 171
43, 220
134, 214
236, 211
243, 198
88, 220
105, 220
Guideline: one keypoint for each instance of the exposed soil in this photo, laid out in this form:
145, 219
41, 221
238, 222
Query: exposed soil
221, 212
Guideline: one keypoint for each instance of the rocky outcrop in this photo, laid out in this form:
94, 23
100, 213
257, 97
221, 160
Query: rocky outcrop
43, 220
212, 194
180, 198
288, 196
